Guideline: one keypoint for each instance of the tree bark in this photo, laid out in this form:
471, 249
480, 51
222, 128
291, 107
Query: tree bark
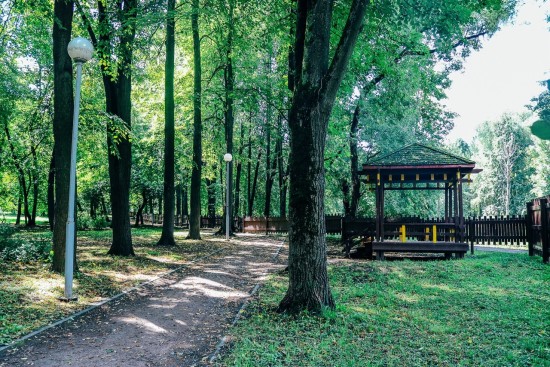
167, 236
316, 86
118, 94
62, 125
195, 217
229, 80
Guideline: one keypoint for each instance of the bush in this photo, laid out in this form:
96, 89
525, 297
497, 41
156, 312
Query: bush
100, 223
84, 221
21, 250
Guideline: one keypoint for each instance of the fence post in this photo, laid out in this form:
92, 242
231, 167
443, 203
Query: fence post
529, 227
544, 228
471, 234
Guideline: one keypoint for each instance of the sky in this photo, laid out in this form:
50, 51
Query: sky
505, 74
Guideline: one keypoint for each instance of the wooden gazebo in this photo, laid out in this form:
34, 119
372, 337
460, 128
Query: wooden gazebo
420, 167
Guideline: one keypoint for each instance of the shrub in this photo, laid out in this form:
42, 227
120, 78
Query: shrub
100, 223
21, 250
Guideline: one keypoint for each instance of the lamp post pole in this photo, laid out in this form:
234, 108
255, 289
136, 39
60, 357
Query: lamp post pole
227, 158
80, 50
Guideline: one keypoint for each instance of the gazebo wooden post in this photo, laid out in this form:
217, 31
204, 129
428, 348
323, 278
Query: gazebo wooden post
377, 195
446, 202
460, 209
455, 210
382, 193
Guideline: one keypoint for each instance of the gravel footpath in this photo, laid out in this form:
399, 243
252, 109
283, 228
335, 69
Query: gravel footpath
175, 321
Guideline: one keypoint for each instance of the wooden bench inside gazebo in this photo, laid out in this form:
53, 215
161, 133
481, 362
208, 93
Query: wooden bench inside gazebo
419, 167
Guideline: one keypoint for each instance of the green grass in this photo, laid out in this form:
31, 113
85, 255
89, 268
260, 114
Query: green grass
491, 309
10, 219
29, 291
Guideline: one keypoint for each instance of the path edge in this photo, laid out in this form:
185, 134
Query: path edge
223, 341
93, 306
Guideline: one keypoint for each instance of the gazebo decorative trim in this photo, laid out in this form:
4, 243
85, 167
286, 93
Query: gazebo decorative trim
421, 167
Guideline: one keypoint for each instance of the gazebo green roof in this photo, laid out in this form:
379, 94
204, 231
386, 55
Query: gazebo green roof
418, 155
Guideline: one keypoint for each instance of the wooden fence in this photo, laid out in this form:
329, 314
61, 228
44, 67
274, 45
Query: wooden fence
494, 230
333, 224
538, 228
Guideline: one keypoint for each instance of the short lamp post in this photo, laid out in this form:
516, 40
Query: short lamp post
227, 158
80, 50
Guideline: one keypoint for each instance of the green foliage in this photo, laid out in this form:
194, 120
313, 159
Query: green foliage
486, 310
501, 149
21, 250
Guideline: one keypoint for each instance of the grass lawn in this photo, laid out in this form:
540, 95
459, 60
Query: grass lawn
491, 309
29, 291
10, 219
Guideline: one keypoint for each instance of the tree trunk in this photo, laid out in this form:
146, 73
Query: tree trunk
19, 204
229, 80
184, 209
249, 172
62, 125
195, 217
51, 193
118, 102
103, 208
236, 204
280, 165
270, 169
139, 213
254, 185
211, 190
355, 183
35, 188
314, 95
178, 204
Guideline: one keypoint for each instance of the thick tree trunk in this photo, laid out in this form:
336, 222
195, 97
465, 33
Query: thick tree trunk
314, 95
229, 80
62, 125
118, 100
195, 217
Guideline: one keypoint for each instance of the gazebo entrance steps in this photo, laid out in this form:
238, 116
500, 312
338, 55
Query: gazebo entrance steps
447, 248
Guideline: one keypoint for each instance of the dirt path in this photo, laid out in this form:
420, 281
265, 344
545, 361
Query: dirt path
175, 321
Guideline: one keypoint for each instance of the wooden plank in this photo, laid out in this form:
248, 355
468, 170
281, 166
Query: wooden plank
419, 246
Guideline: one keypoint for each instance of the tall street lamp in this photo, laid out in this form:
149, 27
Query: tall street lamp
80, 50
227, 158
